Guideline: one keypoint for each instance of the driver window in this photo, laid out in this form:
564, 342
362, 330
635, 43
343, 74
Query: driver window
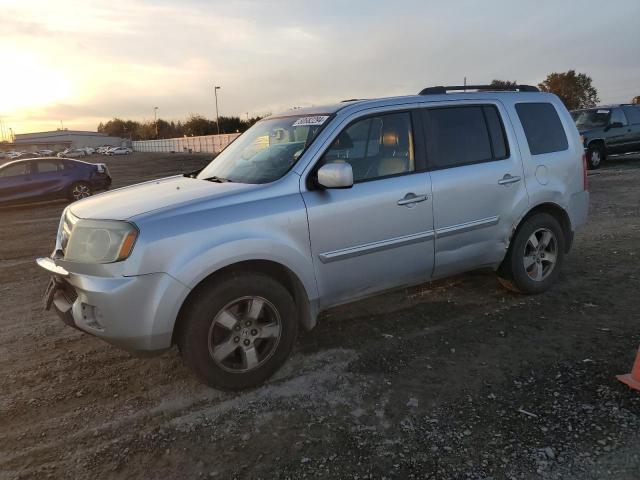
375, 147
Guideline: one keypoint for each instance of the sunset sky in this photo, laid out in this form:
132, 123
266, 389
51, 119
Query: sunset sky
82, 62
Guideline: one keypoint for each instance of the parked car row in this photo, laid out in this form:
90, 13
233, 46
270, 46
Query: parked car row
78, 152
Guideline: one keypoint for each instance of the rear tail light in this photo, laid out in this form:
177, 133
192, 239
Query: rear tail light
585, 178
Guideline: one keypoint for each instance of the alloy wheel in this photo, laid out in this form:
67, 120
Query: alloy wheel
244, 334
540, 254
80, 191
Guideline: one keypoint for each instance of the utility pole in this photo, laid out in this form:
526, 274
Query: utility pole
465, 84
155, 119
215, 93
11, 136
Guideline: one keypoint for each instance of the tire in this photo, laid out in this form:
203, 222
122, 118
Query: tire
595, 156
529, 269
224, 341
79, 190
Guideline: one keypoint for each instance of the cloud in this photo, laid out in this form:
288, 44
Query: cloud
123, 57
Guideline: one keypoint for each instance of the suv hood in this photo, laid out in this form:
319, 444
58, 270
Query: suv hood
127, 202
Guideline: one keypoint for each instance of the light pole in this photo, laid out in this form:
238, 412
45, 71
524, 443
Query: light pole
215, 93
155, 119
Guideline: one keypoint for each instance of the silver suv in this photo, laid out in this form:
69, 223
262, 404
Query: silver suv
319, 207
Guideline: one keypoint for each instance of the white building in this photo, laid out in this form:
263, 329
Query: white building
61, 139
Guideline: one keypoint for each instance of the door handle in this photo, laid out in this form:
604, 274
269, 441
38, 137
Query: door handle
508, 179
411, 198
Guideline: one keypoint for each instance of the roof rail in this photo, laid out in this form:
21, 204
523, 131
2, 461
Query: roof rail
482, 88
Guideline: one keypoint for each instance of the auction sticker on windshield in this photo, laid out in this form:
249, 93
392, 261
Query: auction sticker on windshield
307, 121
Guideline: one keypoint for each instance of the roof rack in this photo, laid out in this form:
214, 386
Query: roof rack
482, 88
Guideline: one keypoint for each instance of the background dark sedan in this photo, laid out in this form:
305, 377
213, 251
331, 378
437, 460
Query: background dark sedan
49, 178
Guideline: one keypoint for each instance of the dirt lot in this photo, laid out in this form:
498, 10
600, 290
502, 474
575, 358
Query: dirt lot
451, 380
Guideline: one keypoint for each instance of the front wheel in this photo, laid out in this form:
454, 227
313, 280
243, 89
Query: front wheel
535, 256
595, 156
238, 330
79, 190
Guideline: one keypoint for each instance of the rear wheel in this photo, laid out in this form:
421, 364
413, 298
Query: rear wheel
238, 330
595, 156
79, 190
535, 256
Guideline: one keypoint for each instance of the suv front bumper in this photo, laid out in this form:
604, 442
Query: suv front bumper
135, 313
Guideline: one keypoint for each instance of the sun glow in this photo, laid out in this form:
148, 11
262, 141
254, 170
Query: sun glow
32, 82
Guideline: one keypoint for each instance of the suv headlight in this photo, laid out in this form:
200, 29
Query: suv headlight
100, 241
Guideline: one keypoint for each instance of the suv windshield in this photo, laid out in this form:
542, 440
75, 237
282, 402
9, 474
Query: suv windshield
266, 151
591, 118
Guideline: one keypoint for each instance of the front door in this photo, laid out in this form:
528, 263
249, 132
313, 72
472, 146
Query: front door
478, 186
15, 182
377, 234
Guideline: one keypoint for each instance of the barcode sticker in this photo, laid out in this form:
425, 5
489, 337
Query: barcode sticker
307, 121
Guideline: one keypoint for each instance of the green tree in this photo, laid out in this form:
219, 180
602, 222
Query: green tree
197, 125
574, 89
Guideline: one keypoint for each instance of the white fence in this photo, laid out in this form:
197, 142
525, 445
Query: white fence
204, 144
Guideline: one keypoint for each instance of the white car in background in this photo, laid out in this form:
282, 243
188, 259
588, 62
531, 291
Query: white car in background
13, 155
45, 152
89, 150
119, 151
72, 153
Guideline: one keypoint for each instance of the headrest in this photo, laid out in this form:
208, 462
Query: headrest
390, 136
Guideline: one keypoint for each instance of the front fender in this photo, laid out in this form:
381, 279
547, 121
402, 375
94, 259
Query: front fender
200, 266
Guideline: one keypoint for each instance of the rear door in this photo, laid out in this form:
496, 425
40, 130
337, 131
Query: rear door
478, 184
377, 234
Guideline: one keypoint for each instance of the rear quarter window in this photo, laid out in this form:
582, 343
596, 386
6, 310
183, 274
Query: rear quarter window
542, 127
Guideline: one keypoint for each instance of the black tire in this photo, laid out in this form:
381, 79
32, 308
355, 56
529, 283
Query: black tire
197, 330
79, 190
513, 274
595, 156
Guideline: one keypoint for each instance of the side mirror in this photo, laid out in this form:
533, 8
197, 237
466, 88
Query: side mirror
336, 175
615, 125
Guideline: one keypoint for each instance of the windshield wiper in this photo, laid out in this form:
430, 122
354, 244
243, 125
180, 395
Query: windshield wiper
217, 179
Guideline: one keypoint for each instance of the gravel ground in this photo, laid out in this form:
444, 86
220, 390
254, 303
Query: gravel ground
456, 379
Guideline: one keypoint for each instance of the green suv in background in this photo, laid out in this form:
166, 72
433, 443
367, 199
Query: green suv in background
608, 130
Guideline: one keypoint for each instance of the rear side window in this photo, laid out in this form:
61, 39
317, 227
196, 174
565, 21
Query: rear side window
633, 115
542, 127
459, 136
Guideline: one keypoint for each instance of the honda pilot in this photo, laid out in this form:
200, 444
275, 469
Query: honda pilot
318, 207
